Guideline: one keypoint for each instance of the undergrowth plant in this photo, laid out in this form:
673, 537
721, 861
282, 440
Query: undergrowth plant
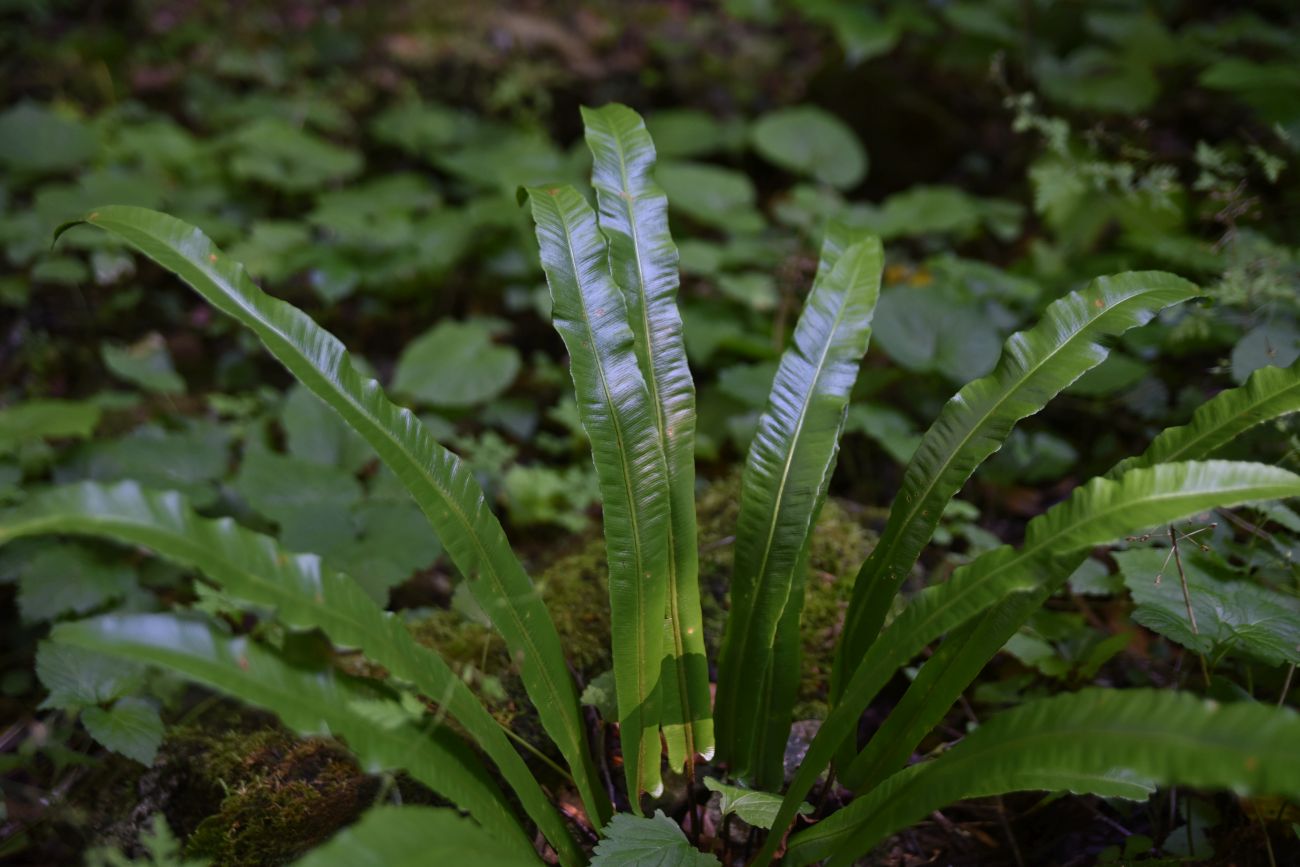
613, 278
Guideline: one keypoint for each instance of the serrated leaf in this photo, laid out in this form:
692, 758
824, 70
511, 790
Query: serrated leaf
314, 432
916, 328
754, 808
455, 364
600, 695
654, 841
131, 727
78, 678
274, 152
1232, 616
188, 461
293, 492
71, 578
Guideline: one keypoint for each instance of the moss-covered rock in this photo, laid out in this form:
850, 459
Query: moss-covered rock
282, 796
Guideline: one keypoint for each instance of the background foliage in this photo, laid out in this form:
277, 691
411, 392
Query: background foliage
363, 162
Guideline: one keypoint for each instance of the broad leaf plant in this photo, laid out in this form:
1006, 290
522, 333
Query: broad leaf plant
613, 277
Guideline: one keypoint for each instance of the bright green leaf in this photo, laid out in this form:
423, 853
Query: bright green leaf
753, 807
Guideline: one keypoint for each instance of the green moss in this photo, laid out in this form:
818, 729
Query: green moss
283, 795
575, 587
839, 545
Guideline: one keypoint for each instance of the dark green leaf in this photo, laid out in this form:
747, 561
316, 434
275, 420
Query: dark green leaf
145, 363
443, 487
754, 808
130, 727
78, 678
784, 486
618, 413
1232, 616
635, 841
1035, 366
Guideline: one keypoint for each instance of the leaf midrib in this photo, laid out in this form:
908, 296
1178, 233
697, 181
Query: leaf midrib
887, 557
1025, 555
652, 381
633, 512
484, 562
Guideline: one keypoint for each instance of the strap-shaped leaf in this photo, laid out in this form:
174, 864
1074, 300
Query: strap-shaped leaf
633, 215
310, 703
618, 414
783, 489
252, 567
1035, 366
970, 646
1095, 514
443, 487
1269, 393
1100, 512
1076, 743
413, 837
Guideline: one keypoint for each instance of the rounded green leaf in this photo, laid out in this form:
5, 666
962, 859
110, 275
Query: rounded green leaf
811, 141
784, 486
455, 364
35, 139
710, 194
655, 841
